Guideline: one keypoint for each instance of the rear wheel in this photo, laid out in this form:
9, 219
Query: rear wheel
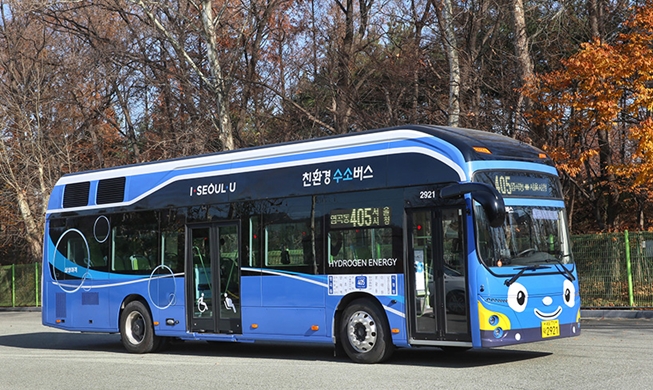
364, 333
137, 330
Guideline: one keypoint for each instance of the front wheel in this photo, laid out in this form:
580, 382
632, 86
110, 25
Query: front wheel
456, 302
364, 333
137, 330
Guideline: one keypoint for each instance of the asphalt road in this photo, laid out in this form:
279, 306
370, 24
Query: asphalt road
610, 353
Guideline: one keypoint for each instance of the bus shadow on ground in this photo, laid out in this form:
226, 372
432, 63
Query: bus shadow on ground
110, 343
64, 341
435, 357
431, 357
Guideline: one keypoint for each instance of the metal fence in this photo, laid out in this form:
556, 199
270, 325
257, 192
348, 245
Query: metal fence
20, 285
615, 270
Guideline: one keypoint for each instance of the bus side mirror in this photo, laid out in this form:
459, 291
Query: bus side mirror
486, 195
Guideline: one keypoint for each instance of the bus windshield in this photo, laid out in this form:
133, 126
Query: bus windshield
530, 235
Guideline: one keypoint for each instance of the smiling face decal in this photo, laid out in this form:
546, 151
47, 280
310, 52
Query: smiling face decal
545, 310
530, 317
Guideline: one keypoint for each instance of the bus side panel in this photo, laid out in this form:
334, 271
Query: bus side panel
122, 288
166, 300
250, 290
53, 304
283, 321
83, 309
395, 310
291, 305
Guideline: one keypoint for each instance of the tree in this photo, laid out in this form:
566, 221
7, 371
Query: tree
215, 80
349, 43
42, 74
598, 111
450, 43
522, 53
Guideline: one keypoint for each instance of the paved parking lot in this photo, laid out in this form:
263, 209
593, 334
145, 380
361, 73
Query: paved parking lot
611, 352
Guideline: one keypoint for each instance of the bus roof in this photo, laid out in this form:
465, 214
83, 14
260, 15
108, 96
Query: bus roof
467, 141
451, 148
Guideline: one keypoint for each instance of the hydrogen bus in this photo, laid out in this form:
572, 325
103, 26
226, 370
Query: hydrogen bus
393, 238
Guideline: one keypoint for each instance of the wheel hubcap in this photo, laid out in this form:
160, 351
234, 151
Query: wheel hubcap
361, 330
135, 331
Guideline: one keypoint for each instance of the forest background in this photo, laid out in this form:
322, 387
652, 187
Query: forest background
89, 84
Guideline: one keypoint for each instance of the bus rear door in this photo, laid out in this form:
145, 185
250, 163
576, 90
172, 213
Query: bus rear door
213, 282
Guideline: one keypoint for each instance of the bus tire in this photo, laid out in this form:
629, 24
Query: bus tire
164, 344
137, 330
364, 333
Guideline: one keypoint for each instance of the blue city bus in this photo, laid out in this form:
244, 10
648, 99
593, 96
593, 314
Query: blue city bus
412, 236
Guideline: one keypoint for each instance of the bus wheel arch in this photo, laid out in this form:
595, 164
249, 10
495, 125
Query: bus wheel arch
362, 329
137, 328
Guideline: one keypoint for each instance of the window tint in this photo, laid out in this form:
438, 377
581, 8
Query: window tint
135, 242
452, 239
81, 244
253, 249
288, 244
291, 235
360, 244
172, 241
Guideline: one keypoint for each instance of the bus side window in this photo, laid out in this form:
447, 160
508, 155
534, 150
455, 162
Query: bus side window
452, 239
252, 252
284, 244
360, 244
135, 243
290, 246
172, 251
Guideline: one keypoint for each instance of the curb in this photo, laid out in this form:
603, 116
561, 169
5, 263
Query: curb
629, 314
20, 309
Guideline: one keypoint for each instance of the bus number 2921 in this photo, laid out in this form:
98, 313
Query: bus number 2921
429, 194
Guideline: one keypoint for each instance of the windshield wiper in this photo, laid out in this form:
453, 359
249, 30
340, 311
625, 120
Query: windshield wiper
564, 270
512, 280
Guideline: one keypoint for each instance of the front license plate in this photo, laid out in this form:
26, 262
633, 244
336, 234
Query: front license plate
550, 328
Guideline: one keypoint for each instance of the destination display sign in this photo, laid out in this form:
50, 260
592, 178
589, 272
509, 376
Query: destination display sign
521, 184
360, 217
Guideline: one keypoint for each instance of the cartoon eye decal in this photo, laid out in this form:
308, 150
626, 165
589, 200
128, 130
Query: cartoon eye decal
569, 293
517, 297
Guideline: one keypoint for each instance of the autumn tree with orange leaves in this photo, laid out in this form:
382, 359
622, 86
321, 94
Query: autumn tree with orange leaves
598, 127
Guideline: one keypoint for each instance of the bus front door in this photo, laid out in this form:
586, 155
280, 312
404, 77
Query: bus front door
213, 282
437, 276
